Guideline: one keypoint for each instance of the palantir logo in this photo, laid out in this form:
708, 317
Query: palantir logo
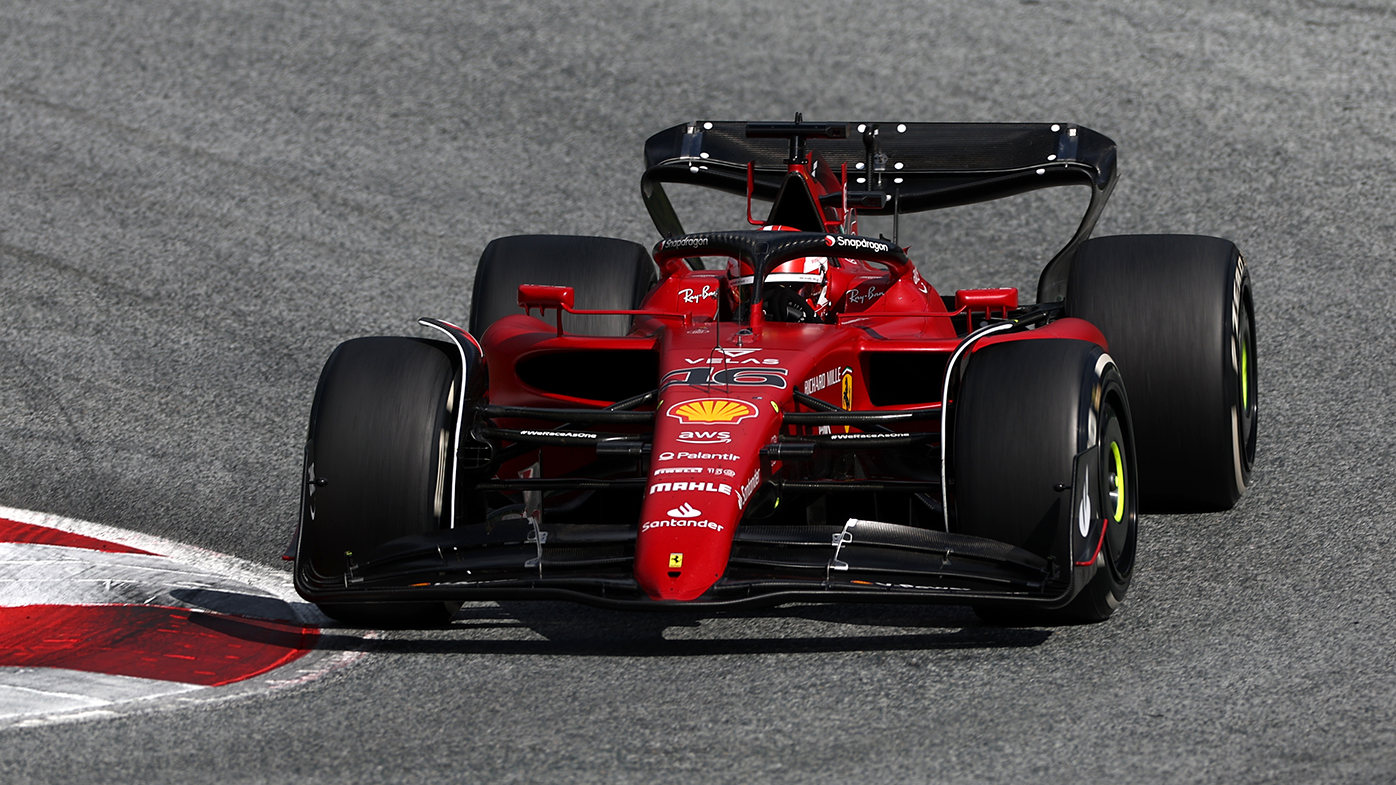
685, 510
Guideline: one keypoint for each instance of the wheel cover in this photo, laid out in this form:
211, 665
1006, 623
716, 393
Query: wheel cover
1245, 375
1116, 479
1246, 385
1118, 500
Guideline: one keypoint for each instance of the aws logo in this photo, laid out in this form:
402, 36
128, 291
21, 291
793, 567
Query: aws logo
705, 437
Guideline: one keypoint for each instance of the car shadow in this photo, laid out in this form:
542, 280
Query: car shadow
235, 603
575, 630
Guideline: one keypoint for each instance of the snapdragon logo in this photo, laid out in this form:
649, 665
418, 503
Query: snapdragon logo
846, 241
684, 242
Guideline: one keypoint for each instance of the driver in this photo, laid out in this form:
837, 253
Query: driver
794, 291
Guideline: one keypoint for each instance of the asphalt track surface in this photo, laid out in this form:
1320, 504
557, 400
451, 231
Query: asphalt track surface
200, 199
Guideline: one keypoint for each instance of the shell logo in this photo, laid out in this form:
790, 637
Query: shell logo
712, 410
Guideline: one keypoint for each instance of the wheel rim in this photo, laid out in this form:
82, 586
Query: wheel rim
1117, 490
443, 456
443, 449
1115, 483
1246, 392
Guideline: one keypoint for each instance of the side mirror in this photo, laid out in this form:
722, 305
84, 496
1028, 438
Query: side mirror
559, 298
532, 295
987, 300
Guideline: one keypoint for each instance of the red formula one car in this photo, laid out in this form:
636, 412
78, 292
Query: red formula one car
805, 419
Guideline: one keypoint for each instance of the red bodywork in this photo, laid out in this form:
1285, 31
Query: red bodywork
776, 424
725, 384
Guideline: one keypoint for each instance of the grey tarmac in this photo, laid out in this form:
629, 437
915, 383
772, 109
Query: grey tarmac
201, 199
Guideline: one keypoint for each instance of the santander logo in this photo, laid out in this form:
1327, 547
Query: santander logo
685, 510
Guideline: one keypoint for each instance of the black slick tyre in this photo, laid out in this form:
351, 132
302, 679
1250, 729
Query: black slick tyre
604, 273
1116, 477
1030, 416
1178, 315
376, 466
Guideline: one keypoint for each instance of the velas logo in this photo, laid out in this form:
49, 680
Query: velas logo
712, 410
732, 359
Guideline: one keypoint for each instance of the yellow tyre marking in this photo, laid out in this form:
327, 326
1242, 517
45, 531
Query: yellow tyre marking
1119, 481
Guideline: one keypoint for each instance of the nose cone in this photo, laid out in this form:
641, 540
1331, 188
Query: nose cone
704, 466
679, 559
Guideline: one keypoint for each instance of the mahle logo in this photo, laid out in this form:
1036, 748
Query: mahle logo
712, 410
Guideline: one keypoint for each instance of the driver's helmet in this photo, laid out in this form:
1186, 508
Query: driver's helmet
804, 279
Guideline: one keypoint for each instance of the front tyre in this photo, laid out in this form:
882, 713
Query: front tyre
377, 466
1043, 458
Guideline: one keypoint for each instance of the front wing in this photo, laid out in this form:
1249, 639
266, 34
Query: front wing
860, 561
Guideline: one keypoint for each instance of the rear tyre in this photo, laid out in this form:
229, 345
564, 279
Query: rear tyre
1178, 314
1025, 411
377, 465
605, 274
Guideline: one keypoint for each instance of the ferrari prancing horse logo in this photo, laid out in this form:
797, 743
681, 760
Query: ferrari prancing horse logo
675, 561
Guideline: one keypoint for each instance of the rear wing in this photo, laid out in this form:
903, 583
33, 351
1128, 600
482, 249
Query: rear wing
906, 167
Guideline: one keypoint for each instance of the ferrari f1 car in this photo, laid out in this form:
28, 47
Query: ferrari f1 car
802, 417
